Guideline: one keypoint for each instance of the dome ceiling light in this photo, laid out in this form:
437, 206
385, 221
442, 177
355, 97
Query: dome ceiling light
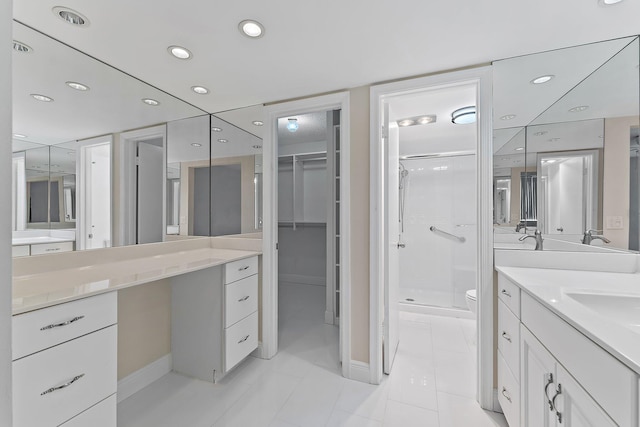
251, 28
292, 125
464, 115
200, 90
70, 16
179, 52
542, 79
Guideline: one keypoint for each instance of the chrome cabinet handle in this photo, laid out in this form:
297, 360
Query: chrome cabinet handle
243, 298
58, 325
401, 245
546, 391
60, 387
243, 339
246, 267
506, 336
504, 292
505, 394
553, 402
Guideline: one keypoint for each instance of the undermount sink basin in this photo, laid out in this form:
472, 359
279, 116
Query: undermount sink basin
623, 309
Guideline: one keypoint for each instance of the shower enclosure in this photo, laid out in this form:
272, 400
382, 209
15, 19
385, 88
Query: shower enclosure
438, 207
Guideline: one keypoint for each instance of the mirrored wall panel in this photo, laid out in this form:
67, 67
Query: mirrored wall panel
568, 121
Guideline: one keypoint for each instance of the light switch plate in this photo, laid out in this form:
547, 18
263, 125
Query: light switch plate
615, 223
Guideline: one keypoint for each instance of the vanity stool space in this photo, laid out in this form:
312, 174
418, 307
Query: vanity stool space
65, 364
551, 374
214, 319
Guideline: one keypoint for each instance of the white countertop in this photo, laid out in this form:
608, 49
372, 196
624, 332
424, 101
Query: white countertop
43, 289
551, 288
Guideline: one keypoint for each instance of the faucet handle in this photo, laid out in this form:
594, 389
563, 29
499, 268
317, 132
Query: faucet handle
592, 230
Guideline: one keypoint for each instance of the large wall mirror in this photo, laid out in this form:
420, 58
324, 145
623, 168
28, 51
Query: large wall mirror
566, 144
81, 130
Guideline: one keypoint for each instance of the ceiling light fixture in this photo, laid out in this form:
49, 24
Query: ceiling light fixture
519, 148
19, 135
251, 28
195, 144
179, 52
508, 117
406, 122
151, 102
215, 129
553, 139
542, 79
257, 123
223, 141
292, 125
257, 147
200, 90
21, 47
70, 16
77, 86
540, 133
578, 109
608, 2
42, 98
464, 115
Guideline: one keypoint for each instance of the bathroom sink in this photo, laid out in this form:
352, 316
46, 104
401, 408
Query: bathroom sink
623, 309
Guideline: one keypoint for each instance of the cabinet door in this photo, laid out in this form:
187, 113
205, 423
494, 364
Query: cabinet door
537, 382
575, 408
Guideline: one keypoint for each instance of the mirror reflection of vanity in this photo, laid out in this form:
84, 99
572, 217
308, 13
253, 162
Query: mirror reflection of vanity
566, 124
71, 116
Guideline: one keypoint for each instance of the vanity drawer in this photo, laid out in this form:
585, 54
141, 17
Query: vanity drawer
509, 294
18, 251
240, 269
508, 393
241, 299
240, 340
509, 338
101, 415
40, 329
91, 360
50, 248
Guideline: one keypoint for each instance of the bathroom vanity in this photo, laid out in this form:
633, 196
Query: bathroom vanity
568, 344
65, 322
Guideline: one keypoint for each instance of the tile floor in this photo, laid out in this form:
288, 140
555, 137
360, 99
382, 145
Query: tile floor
432, 384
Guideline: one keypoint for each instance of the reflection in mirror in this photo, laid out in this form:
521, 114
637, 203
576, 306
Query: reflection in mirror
508, 166
49, 214
581, 173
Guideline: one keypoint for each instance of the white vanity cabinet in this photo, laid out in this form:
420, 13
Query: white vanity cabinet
214, 322
509, 350
65, 363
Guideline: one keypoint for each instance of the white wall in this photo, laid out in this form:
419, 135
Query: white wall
5, 212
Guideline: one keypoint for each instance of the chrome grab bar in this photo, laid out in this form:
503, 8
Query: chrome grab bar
449, 235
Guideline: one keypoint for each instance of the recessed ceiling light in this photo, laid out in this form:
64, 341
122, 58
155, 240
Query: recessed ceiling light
195, 144
179, 52
151, 102
42, 98
251, 28
550, 161
19, 135
223, 141
292, 125
540, 133
608, 2
425, 120
21, 47
519, 148
406, 122
508, 117
70, 16
257, 147
440, 168
257, 123
553, 139
464, 115
200, 90
578, 109
77, 86
215, 129
542, 79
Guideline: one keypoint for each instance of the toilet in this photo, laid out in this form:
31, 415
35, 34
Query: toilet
472, 300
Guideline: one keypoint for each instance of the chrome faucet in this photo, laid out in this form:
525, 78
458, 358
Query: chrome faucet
538, 236
588, 237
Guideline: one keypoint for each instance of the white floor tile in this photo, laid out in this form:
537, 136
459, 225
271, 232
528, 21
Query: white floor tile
401, 415
362, 399
456, 373
413, 381
457, 411
345, 419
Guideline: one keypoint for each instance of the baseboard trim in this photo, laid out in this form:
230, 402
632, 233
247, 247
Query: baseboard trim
304, 280
496, 403
143, 377
360, 371
438, 311
258, 352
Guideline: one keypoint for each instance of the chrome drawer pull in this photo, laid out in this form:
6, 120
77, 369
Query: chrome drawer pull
243, 339
505, 394
68, 322
506, 336
60, 387
546, 391
553, 402
246, 267
504, 292
243, 298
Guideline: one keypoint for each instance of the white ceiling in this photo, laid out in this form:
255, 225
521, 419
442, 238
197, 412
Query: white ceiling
315, 47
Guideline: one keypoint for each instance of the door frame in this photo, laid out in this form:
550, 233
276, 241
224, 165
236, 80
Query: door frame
482, 77
269, 344
127, 176
81, 171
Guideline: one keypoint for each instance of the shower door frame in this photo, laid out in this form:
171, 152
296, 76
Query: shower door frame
482, 78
